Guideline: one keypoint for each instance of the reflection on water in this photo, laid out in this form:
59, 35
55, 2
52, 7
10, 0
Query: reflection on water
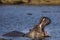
14, 17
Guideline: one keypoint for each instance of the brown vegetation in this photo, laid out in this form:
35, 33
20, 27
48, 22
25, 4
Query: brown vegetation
36, 2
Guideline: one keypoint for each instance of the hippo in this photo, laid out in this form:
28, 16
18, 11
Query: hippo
37, 31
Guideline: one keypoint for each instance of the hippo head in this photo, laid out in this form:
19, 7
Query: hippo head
45, 21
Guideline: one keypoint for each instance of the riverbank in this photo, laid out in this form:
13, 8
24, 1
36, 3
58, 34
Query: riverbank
34, 4
31, 2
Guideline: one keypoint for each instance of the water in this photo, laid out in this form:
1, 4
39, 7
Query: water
14, 17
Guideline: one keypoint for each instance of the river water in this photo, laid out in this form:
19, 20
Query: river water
15, 17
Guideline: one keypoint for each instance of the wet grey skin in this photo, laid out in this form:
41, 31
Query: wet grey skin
38, 32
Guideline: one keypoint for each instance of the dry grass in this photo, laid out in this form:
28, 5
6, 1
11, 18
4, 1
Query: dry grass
37, 2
